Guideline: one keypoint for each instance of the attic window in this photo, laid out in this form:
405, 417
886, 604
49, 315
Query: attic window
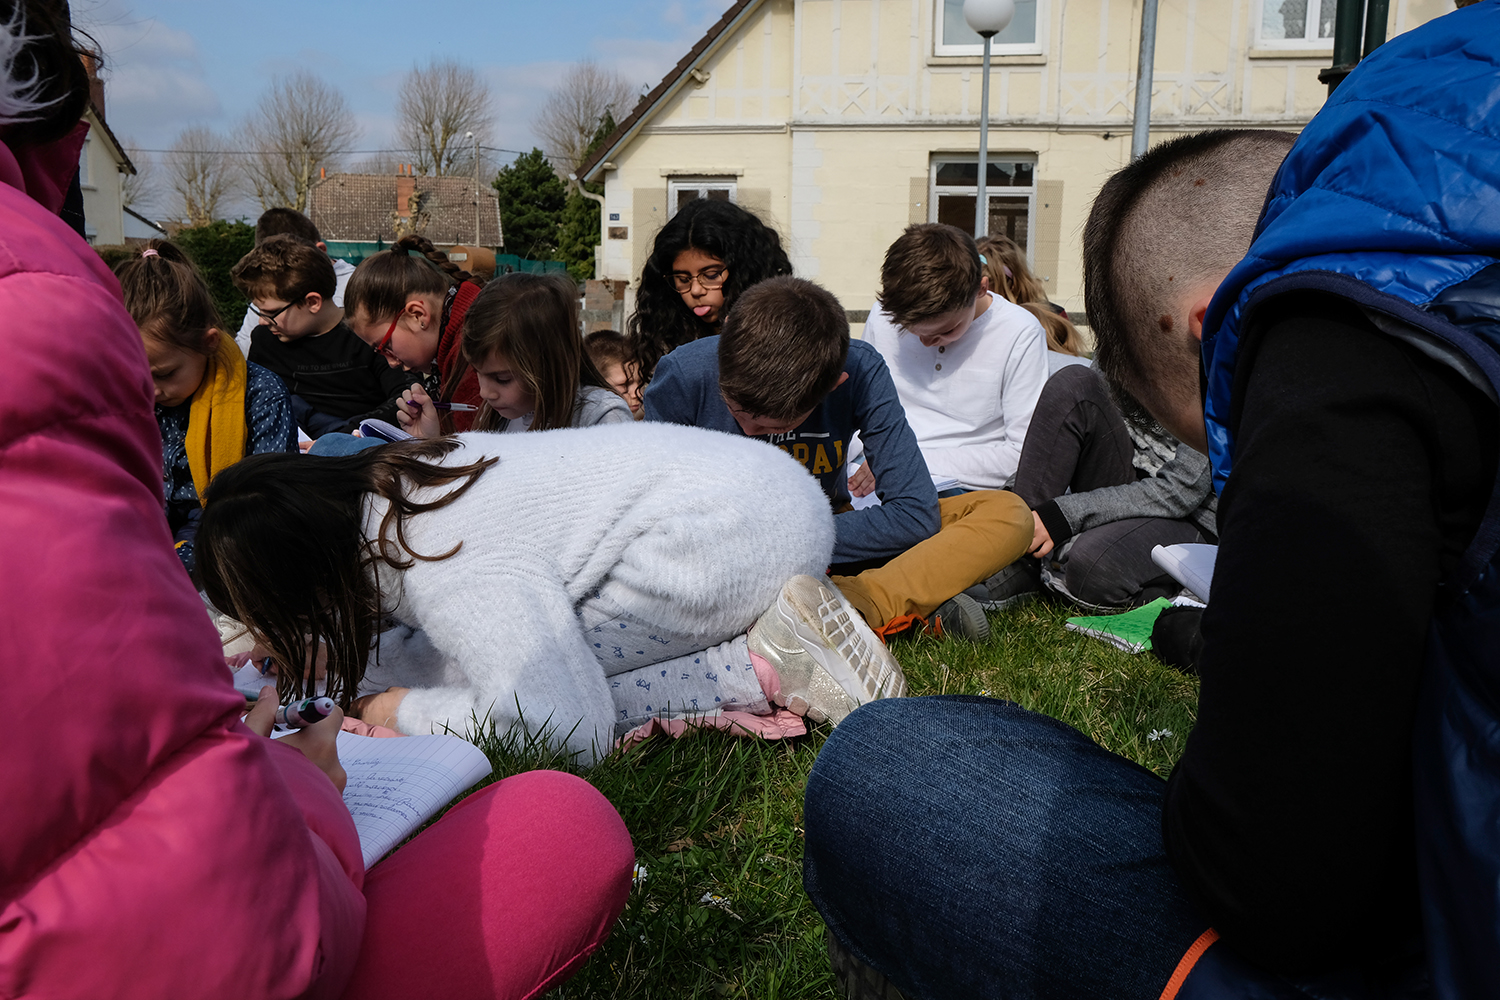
682, 190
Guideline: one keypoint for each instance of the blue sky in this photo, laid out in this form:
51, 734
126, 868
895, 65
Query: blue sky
172, 64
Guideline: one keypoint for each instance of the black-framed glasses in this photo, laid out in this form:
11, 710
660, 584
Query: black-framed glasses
709, 279
269, 315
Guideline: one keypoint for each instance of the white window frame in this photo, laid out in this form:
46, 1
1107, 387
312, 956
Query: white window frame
1032, 48
85, 175
936, 160
1310, 25
702, 185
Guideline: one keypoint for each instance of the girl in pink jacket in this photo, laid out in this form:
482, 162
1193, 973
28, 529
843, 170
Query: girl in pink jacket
152, 845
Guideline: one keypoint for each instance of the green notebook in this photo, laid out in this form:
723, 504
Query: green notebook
1130, 631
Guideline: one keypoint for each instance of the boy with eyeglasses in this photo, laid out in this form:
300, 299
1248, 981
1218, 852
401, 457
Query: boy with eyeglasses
335, 380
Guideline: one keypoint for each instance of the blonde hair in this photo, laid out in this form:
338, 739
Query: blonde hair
1010, 276
1062, 336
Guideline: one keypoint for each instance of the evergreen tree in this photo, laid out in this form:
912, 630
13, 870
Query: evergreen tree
531, 206
579, 234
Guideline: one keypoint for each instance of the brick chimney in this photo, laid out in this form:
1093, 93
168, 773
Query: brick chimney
406, 186
96, 85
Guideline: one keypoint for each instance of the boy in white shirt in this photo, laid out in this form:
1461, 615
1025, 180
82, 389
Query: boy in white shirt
968, 365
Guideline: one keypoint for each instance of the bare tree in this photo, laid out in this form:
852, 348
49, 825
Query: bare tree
572, 113
138, 191
436, 107
200, 174
300, 125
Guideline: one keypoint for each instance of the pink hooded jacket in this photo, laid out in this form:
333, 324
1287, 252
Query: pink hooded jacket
151, 845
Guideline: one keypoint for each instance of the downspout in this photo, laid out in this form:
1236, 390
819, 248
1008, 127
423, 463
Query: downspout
603, 219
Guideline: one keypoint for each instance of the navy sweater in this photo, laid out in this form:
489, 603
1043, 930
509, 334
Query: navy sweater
685, 390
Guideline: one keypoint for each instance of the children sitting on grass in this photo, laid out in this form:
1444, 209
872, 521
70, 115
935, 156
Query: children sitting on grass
784, 370
212, 407
610, 353
521, 337
334, 380
968, 365
275, 222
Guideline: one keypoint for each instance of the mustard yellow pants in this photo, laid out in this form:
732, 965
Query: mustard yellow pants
982, 533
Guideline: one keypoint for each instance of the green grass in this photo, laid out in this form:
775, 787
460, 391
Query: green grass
720, 816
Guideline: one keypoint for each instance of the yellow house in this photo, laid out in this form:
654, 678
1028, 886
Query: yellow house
840, 122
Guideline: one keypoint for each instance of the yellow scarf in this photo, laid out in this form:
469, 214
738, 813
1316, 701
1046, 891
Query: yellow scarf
216, 423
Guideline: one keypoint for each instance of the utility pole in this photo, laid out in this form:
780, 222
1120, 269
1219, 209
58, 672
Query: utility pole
1145, 79
471, 135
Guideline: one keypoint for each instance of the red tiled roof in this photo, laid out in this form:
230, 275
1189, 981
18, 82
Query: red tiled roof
361, 207
643, 107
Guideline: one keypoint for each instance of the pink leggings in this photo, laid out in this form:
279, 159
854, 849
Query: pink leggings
504, 897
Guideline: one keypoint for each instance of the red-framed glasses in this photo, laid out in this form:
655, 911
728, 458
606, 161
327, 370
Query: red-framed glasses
384, 347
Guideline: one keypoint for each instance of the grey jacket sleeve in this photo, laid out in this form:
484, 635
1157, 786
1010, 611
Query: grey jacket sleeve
1183, 485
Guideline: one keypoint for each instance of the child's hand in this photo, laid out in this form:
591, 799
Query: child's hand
318, 743
379, 709
862, 483
305, 446
1041, 540
416, 414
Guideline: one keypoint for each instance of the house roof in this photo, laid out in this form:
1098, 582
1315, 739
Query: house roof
99, 126
362, 208
669, 85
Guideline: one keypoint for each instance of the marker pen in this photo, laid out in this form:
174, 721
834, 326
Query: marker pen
455, 407
301, 714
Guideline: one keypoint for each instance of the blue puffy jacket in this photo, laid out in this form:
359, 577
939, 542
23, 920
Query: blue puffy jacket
1391, 199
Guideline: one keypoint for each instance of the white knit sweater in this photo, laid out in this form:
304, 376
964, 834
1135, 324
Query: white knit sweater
692, 530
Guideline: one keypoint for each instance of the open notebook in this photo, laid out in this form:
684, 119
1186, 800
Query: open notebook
395, 785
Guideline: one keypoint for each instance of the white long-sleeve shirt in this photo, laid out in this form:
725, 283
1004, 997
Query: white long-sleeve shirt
970, 402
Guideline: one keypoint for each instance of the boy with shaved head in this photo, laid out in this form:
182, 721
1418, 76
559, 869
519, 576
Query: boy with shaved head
1327, 330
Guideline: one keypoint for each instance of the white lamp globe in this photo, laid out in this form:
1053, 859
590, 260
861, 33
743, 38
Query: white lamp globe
989, 17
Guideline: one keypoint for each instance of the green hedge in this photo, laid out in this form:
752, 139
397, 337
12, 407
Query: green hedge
216, 248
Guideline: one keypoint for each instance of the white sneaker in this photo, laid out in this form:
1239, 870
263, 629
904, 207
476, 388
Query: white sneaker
829, 661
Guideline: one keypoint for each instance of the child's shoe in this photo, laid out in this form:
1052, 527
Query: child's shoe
828, 660
961, 616
1014, 585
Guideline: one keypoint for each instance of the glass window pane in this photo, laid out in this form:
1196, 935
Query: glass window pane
1283, 19
1008, 217
1325, 18
1002, 173
718, 194
959, 174
957, 210
685, 195
1022, 28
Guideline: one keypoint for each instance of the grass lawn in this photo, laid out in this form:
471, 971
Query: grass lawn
717, 819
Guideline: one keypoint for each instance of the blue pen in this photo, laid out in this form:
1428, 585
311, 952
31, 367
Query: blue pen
304, 713
455, 407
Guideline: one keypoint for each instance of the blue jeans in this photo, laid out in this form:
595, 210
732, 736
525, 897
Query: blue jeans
337, 445
966, 847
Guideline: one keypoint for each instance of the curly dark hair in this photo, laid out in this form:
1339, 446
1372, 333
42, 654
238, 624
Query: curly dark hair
751, 249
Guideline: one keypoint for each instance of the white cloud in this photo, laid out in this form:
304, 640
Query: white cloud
155, 85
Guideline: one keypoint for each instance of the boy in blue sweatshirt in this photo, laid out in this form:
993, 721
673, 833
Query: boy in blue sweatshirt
784, 370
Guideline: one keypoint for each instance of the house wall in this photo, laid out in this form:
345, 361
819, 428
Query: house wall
100, 179
827, 114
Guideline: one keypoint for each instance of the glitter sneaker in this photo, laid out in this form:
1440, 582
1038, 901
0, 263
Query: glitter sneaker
828, 660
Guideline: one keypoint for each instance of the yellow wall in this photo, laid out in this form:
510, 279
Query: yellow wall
827, 113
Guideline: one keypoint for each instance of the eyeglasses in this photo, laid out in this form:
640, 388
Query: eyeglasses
384, 347
710, 279
269, 316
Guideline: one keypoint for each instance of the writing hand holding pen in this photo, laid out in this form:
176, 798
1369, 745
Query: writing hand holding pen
417, 414
318, 742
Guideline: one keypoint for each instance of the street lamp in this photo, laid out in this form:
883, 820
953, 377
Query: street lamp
988, 18
471, 135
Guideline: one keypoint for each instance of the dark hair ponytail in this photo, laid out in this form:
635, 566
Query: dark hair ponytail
748, 247
281, 548
381, 284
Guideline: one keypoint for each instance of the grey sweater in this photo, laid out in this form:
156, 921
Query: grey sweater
1181, 489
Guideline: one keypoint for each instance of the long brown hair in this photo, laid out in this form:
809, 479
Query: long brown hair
381, 284
167, 297
1010, 276
532, 319
282, 548
1062, 336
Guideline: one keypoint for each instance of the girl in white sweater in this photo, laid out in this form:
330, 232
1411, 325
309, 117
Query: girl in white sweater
578, 578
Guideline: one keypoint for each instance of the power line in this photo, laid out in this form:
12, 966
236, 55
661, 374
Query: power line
333, 152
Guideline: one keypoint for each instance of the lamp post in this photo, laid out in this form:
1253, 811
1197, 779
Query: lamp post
988, 18
471, 135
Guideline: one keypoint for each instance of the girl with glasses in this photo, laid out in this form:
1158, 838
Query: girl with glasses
408, 303
703, 258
